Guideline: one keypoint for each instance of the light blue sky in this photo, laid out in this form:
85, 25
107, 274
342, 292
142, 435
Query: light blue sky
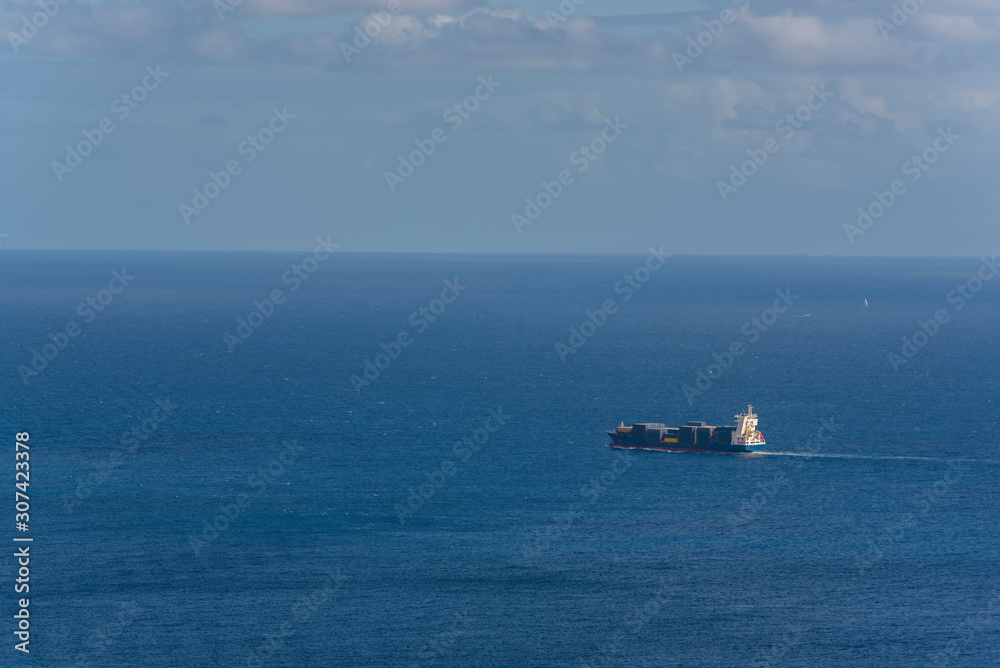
656, 183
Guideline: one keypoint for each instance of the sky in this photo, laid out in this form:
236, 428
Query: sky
583, 126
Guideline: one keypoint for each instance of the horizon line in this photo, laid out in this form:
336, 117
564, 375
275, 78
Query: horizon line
480, 253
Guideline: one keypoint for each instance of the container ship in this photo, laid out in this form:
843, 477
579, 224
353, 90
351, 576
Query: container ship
692, 437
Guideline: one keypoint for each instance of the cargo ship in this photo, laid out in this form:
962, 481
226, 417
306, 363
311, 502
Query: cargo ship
692, 437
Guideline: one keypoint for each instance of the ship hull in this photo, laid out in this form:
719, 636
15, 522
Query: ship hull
630, 444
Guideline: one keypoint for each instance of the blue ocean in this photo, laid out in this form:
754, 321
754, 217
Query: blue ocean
342, 459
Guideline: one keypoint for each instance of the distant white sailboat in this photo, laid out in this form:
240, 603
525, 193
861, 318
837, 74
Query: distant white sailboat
866, 302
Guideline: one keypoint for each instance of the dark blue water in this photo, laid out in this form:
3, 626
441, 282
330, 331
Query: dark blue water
537, 545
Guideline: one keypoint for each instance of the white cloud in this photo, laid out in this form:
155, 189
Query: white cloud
972, 100
220, 45
458, 35
953, 28
850, 92
805, 42
332, 7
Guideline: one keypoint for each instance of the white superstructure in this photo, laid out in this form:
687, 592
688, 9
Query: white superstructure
746, 429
